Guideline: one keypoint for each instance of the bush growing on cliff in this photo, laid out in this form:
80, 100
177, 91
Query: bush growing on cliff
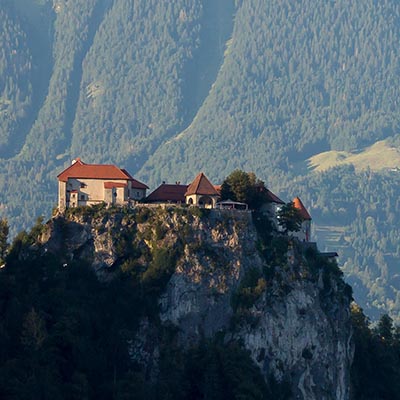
160, 268
250, 289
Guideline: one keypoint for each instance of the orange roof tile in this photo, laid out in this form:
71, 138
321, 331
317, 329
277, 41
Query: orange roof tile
110, 185
302, 210
138, 185
135, 183
201, 185
98, 171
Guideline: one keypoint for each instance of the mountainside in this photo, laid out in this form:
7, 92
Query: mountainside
174, 279
167, 89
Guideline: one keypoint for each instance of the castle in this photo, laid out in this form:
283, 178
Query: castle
84, 184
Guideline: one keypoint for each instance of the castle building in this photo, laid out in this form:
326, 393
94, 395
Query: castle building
304, 234
84, 184
202, 193
168, 193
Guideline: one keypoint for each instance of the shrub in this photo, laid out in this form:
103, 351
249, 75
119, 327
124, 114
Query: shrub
249, 291
160, 269
143, 214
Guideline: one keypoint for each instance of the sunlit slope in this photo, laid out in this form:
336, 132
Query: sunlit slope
379, 156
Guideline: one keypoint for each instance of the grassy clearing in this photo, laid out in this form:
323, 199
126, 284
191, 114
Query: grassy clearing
377, 157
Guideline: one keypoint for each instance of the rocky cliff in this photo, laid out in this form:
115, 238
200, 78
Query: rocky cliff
218, 272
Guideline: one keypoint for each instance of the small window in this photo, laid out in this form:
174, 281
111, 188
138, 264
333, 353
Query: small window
82, 197
137, 194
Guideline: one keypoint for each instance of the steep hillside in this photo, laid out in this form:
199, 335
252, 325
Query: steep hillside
15, 80
166, 89
262, 319
298, 78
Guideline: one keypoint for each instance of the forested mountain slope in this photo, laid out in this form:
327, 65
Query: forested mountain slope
166, 89
16, 79
298, 78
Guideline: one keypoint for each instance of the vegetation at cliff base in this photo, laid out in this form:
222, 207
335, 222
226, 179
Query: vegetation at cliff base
66, 335
376, 368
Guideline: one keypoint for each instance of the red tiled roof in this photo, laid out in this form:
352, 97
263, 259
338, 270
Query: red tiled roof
110, 185
127, 173
138, 185
201, 185
218, 188
98, 171
302, 210
135, 183
168, 193
273, 198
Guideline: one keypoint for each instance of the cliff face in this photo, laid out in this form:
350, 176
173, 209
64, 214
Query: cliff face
290, 311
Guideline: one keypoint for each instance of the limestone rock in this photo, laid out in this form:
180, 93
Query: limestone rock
297, 330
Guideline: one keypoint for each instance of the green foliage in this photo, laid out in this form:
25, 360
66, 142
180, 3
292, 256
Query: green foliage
199, 212
272, 248
289, 218
244, 187
143, 214
250, 289
286, 93
316, 262
217, 370
65, 335
160, 268
4, 230
363, 208
264, 226
16, 76
375, 371
59, 328
38, 228
385, 328
167, 89
277, 251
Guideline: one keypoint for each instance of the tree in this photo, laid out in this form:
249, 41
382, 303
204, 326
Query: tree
3, 239
289, 218
244, 187
34, 330
385, 328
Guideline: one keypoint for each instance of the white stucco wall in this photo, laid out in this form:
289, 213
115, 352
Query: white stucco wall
62, 195
93, 191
